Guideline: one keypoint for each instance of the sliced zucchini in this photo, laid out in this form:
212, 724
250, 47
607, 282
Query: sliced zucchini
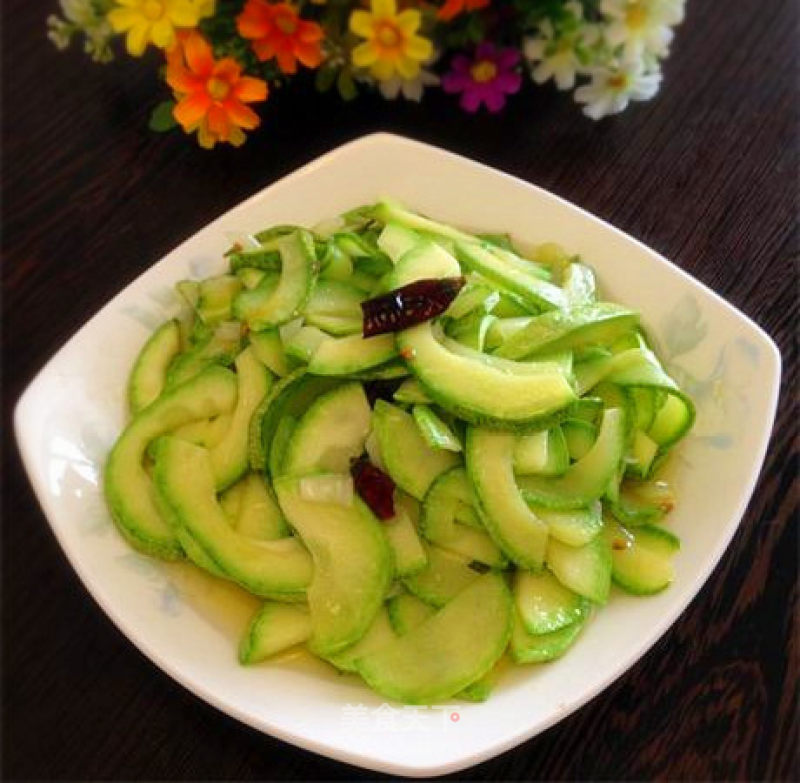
265, 259
128, 488
391, 211
268, 348
474, 296
303, 343
543, 453
519, 533
540, 648
352, 565
641, 455
438, 523
335, 307
511, 276
149, 374
471, 330
189, 291
218, 346
185, 481
433, 430
444, 655
351, 354
587, 479
445, 575
559, 330
544, 604
215, 298
641, 502
479, 389
274, 628
289, 397
412, 464
585, 570
579, 285
229, 457
401, 533
574, 527
251, 277
579, 436
207, 432
406, 612
423, 261
280, 445
396, 240
410, 392
259, 515
378, 635
642, 558
331, 432
268, 305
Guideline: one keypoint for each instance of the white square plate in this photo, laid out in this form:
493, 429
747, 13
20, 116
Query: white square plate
70, 414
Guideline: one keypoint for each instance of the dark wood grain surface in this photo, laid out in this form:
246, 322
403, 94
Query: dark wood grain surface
706, 174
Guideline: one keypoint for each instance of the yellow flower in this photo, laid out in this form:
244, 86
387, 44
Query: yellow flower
205, 8
392, 46
153, 21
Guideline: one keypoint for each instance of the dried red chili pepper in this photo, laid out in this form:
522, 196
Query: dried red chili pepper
411, 304
374, 487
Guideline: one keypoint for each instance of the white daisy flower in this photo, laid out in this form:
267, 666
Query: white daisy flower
556, 54
410, 89
84, 16
612, 89
640, 26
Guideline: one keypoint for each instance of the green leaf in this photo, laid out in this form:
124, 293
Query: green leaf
325, 78
162, 119
347, 87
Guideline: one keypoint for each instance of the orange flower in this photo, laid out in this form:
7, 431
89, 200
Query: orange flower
211, 94
276, 30
453, 8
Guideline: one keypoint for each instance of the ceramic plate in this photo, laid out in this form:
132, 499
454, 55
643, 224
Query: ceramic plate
188, 626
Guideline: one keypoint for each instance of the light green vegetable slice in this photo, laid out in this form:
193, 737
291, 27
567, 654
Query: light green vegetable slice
331, 433
406, 612
185, 482
351, 354
439, 525
268, 348
274, 628
445, 575
128, 488
352, 565
587, 479
401, 533
544, 604
519, 533
558, 330
540, 648
444, 655
378, 635
477, 389
269, 305
642, 558
149, 374
574, 527
585, 570
434, 431
229, 457
410, 461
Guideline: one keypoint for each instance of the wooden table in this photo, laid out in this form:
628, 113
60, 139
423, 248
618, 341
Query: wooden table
706, 174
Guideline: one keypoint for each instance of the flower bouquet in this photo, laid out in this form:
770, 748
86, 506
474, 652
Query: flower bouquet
222, 57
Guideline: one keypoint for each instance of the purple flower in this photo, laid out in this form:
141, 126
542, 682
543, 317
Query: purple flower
486, 78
